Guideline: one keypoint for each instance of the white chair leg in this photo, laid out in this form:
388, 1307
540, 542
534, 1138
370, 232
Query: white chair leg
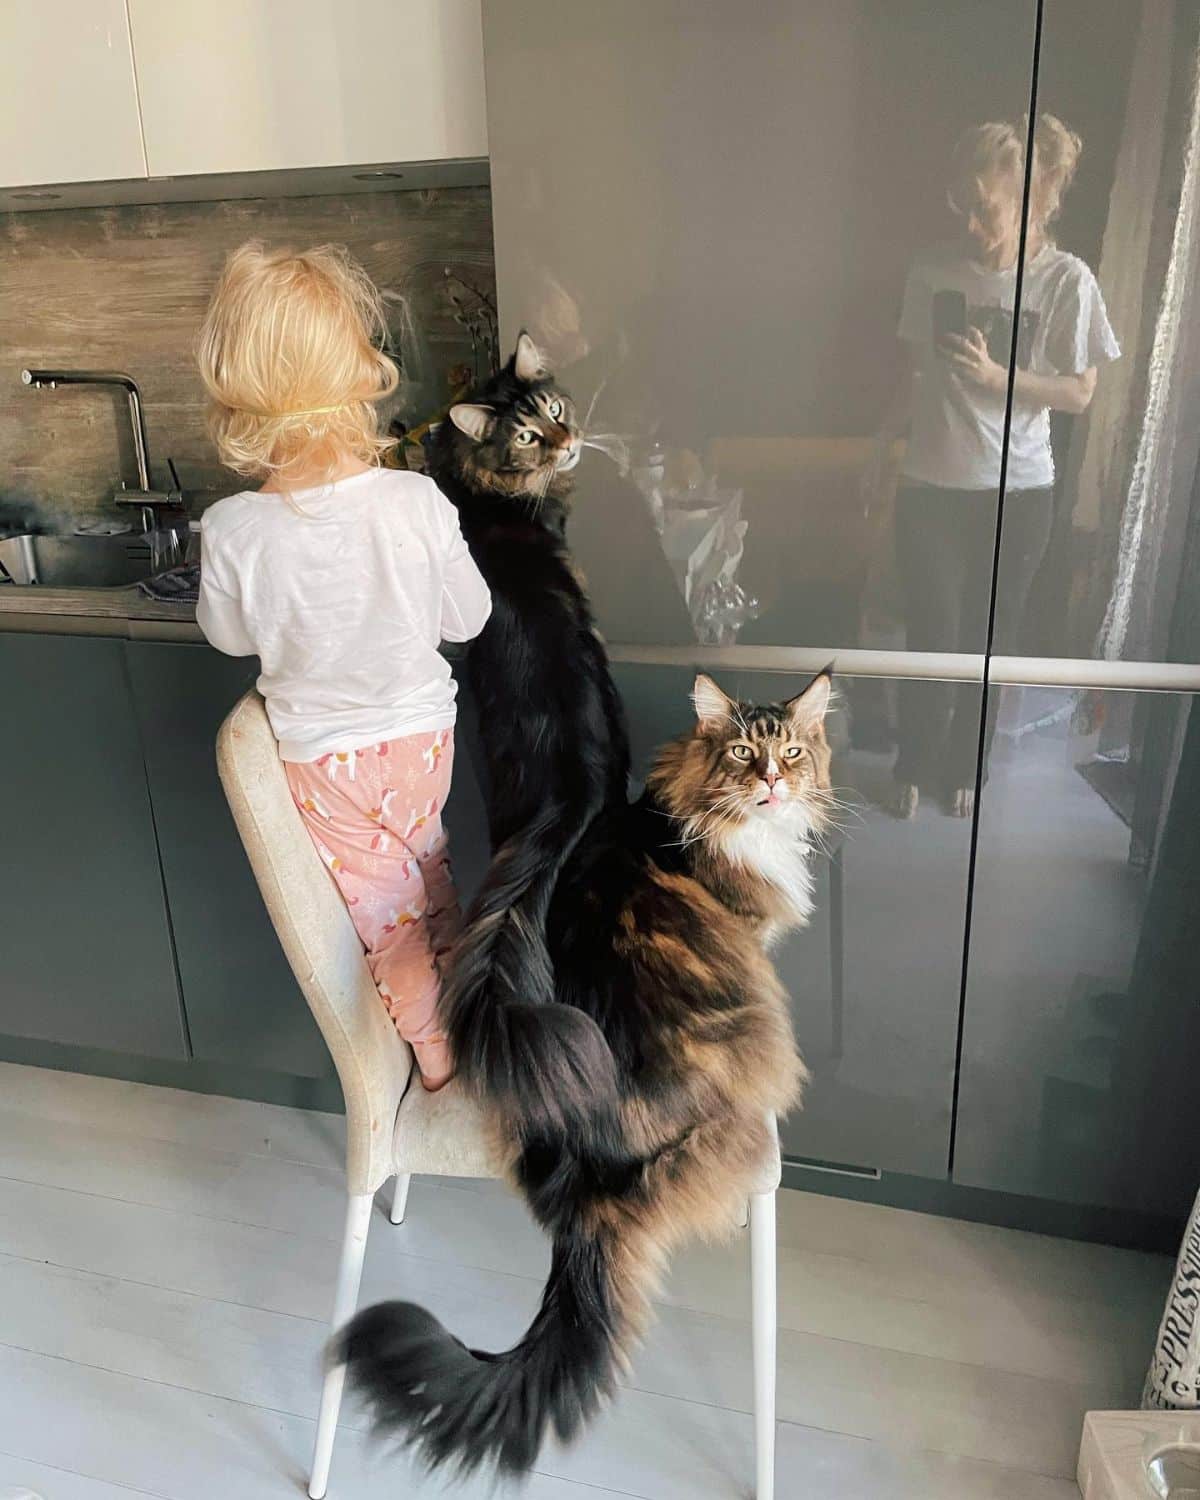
763, 1304
400, 1197
354, 1247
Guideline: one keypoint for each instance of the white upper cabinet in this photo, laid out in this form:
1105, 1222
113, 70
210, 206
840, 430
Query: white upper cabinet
258, 85
68, 101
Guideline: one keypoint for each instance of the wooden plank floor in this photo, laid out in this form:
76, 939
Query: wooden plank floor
167, 1262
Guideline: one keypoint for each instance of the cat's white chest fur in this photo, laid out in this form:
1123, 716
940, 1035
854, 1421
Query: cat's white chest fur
779, 853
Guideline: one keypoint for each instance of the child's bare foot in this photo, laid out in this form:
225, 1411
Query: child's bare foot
902, 800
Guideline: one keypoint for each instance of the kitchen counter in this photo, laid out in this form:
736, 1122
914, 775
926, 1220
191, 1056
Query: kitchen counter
120, 614
124, 613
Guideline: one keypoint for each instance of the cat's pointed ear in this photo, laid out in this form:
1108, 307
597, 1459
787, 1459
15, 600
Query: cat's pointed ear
528, 363
476, 421
807, 710
712, 707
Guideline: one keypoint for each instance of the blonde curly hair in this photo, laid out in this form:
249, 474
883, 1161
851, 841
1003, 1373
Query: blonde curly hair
998, 149
290, 355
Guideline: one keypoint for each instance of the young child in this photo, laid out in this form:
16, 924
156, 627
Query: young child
342, 577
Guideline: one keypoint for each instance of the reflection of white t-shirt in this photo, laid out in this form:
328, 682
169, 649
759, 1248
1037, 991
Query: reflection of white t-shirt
958, 428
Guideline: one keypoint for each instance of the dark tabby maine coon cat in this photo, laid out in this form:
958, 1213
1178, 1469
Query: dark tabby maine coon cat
554, 731
610, 1000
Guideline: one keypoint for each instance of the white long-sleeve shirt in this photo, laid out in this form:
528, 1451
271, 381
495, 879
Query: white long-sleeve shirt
344, 594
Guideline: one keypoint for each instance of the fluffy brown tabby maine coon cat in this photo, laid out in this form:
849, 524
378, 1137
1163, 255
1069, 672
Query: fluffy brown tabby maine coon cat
657, 933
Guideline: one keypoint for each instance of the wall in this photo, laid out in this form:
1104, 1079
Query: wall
125, 289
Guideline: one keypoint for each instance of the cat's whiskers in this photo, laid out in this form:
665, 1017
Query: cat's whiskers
695, 832
818, 840
723, 813
536, 492
735, 713
855, 808
612, 445
707, 824
725, 803
820, 836
816, 803
827, 804
587, 421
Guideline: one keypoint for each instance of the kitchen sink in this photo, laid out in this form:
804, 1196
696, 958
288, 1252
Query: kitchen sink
76, 562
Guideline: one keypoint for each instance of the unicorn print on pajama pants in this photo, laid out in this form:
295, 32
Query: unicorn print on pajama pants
375, 816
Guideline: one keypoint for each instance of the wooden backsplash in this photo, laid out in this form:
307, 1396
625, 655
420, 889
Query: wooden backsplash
125, 289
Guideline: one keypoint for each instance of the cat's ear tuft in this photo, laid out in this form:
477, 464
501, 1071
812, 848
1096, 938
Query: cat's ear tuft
476, 421
807, 710
528, 363
712, 707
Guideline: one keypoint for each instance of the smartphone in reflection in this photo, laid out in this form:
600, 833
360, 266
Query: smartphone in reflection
999, 334
949, 315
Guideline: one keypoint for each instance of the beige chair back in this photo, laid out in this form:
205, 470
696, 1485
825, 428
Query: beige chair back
319, 939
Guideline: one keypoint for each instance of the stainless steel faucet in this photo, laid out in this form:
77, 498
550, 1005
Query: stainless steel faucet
148, 500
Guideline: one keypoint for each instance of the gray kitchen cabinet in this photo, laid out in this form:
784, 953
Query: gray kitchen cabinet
85, 945
242, 1003
1081, 1029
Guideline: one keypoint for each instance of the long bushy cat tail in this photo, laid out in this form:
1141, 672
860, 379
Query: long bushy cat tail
468, 1409
547, 1066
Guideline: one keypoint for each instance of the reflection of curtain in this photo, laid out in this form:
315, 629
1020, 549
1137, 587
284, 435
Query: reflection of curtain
1098, 460
1137, 616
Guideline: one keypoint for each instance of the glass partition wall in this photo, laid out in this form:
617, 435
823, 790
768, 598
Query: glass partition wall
772, 251
1081, 1012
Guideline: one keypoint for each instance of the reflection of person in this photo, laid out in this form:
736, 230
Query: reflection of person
957, 329
633, 591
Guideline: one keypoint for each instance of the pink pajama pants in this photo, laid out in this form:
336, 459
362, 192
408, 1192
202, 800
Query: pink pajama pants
375, 816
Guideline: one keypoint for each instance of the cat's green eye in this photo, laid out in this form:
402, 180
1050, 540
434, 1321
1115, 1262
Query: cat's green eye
741, 752
793, 751
555, 409
525, 437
